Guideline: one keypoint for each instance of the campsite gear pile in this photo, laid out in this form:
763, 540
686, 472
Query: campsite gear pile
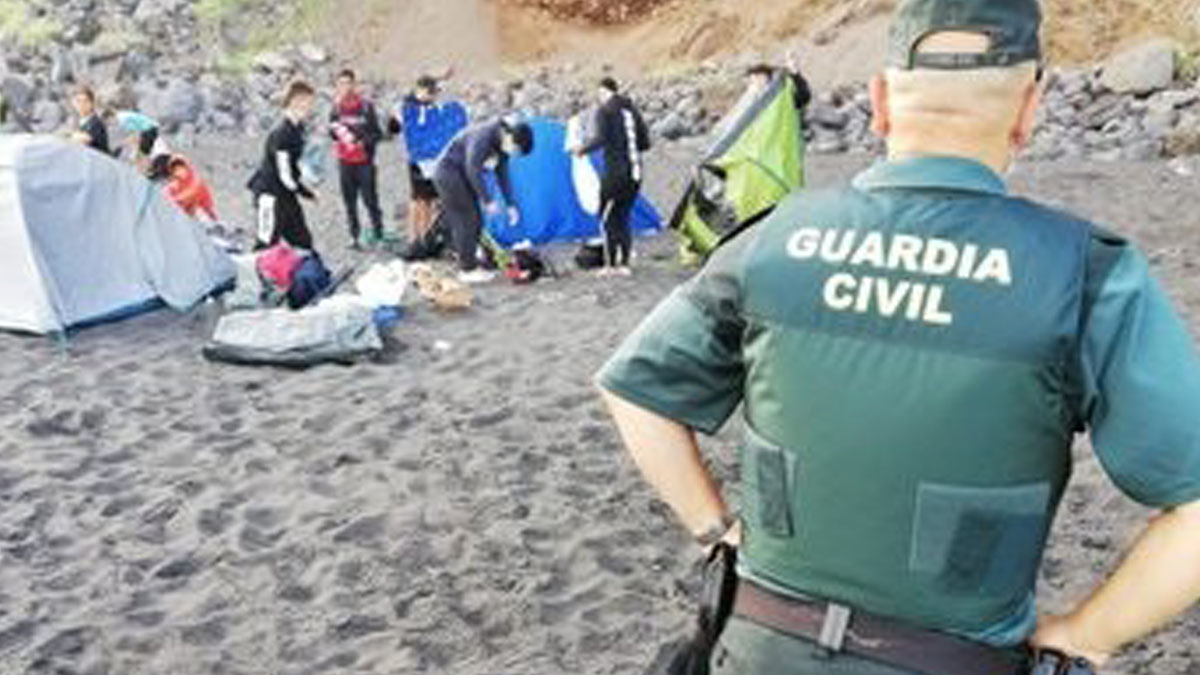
553, 198
88, 240
287, 311
558, 199
756, 161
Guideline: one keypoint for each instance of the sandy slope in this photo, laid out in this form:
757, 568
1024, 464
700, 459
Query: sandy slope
464, 511
842, 38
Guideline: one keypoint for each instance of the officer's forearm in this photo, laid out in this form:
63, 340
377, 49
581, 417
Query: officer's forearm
1158, 581
667, 454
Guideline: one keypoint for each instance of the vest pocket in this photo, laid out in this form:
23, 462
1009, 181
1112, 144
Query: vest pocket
974, 540
770, 497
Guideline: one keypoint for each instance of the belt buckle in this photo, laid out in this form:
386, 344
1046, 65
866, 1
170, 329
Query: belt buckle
834, 628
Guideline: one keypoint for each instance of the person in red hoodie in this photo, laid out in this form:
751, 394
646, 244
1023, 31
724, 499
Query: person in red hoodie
354, 126
188, 190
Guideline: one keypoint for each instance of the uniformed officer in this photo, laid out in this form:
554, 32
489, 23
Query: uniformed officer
914, 355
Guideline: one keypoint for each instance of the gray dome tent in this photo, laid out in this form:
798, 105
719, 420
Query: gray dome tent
85, 238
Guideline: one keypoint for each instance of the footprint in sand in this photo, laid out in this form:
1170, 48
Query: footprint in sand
365, 531
205, 634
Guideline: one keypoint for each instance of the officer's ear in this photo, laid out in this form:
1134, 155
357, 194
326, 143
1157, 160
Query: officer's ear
1031, 99
881, 121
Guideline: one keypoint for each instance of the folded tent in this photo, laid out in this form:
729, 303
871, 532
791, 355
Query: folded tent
756, 161
86, 239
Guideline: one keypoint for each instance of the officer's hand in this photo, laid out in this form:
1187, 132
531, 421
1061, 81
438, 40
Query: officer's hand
492, 208
1056, 632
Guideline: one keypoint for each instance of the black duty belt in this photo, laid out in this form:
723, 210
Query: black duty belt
838, 629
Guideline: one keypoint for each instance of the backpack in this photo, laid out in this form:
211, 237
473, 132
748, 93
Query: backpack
590, 257
431, 245
278, 265
525, 267
309, 282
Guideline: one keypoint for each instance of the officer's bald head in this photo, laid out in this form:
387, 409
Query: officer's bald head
985, 112
961, 78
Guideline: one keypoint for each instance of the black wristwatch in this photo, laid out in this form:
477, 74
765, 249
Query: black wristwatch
1055, 662
713, 535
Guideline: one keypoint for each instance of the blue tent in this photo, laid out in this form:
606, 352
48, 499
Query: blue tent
545, 194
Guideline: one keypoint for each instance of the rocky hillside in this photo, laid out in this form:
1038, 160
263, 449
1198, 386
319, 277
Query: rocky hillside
205, 66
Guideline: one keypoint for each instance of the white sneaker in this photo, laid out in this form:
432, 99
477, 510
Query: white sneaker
476, 277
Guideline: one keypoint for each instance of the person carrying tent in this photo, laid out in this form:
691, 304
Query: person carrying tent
459, 179
91, 130
189, 190
278, 183
151, 153
428, 126
354, 127
759, 76
621, 132
915, 354
756, 160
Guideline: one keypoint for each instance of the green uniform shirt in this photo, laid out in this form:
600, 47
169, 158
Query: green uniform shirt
914, 355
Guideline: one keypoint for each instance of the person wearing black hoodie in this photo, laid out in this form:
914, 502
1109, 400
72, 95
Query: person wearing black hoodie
354, 126
277, 185
622, 134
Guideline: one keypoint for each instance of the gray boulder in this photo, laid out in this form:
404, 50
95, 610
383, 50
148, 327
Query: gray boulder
1143, 69
672, 127
1184, 139
272, 62
184, 103
828, 116
48, 117
17, 90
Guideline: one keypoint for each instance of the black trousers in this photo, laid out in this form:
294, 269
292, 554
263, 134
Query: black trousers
617, 198
461, 215
281, 217
361, 179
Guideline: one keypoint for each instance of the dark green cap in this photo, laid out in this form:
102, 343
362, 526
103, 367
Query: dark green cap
1014, 27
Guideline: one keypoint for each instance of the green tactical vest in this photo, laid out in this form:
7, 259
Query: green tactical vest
909, 400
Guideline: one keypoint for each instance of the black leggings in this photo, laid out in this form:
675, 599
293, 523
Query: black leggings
616, 204
460, 215
361, 179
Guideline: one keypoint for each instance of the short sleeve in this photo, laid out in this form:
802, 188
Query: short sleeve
684, 361
1142, 382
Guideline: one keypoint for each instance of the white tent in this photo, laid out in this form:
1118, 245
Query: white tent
85, 238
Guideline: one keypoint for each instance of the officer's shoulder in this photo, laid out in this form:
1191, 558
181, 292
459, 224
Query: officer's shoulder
806, 202
1100, 236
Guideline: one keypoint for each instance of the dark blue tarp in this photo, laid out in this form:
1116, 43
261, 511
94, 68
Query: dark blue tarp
545, 193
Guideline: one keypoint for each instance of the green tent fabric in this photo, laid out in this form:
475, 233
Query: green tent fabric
757, 160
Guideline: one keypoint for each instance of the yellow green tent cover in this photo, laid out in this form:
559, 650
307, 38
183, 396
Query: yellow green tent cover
756, 161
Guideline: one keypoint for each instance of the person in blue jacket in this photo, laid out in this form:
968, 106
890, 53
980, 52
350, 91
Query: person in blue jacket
428, 126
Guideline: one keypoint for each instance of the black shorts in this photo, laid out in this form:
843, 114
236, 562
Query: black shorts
422, 188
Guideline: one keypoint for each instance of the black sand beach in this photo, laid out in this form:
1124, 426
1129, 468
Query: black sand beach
459, 506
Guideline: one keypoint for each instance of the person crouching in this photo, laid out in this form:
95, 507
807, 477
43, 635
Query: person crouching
189, 190
459, 181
